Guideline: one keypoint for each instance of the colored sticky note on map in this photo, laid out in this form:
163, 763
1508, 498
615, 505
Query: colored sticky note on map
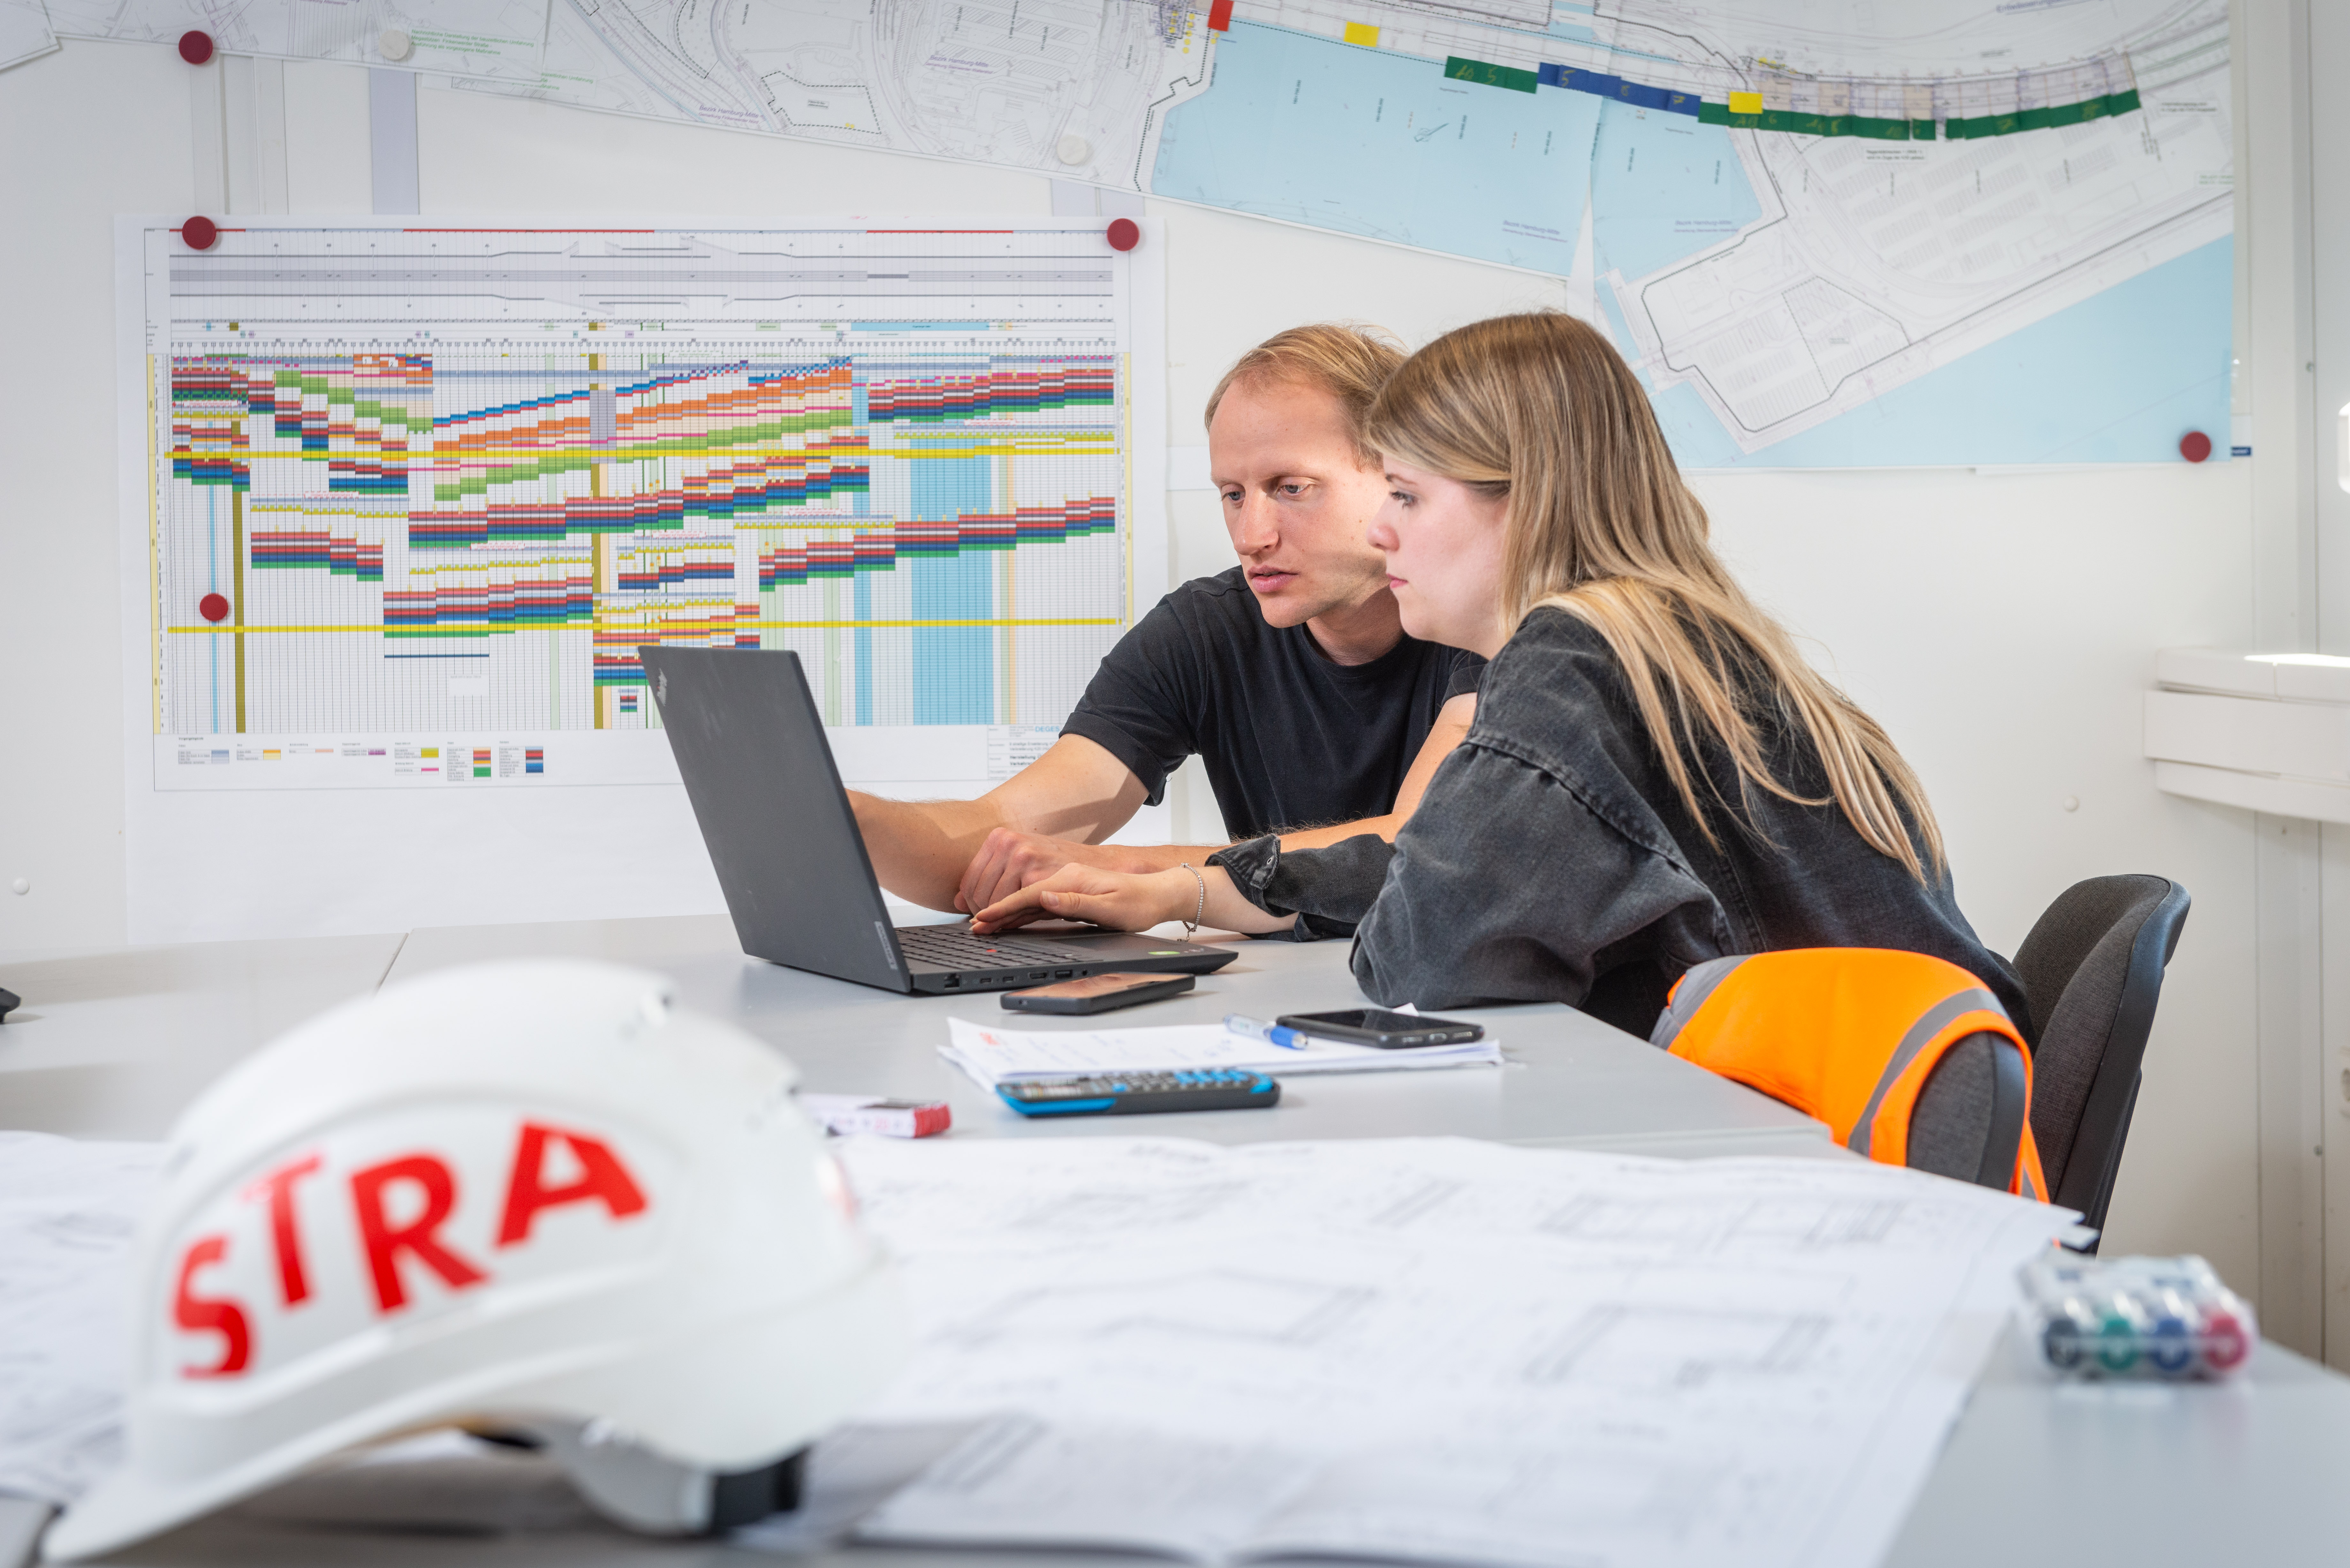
1746, 103
1363, 32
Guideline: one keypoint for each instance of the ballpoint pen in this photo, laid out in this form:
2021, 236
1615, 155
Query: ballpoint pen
1271, 1033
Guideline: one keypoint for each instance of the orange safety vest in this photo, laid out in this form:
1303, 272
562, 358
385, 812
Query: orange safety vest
1848, 1034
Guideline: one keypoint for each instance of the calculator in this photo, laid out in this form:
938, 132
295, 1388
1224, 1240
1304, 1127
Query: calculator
1131, 1094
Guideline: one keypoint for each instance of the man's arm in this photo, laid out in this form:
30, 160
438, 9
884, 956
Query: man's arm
1010, 857
1451, 727
1075, 791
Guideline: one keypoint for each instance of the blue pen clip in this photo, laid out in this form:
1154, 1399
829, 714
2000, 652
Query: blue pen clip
1271, 1033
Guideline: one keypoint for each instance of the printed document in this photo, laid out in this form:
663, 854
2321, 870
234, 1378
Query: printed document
992, 1054
1431, 1349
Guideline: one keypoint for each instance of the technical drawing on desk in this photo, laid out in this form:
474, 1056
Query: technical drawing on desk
1432, 1348
417, 496
1402, 1348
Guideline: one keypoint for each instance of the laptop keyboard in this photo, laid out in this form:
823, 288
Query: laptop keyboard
954, 947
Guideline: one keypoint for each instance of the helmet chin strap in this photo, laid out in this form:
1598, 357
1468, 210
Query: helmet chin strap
646, 1491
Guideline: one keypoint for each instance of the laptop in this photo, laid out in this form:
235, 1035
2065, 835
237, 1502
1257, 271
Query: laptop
786, 847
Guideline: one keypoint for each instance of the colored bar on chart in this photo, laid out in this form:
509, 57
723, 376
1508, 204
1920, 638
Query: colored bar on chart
1490, 74
1363, 33
1220, 15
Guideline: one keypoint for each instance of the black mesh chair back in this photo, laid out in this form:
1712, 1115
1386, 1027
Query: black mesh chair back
2092, 968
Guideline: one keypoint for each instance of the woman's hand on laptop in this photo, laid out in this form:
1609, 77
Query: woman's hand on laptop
1120, 900
1132, 901
1010, 859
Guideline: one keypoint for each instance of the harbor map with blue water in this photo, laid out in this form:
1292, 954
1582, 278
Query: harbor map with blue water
2005, 241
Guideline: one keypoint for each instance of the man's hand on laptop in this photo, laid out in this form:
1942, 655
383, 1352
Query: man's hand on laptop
1009, 860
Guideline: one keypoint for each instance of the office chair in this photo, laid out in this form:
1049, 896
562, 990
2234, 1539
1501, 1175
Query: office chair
2092, 970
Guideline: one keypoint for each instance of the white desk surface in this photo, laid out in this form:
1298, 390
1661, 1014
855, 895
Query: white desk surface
1569, 1081
112, 1046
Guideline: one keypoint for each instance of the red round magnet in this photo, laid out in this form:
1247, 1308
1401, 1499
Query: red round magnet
2195, 446
213, 607
195, 47
1125, 233
200, 234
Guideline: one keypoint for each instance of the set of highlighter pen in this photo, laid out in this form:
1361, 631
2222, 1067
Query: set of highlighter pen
2136, 1317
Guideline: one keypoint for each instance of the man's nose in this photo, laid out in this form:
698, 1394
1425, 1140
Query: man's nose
1254, 525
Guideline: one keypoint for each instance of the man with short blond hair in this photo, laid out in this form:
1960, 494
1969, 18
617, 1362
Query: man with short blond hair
1289, 676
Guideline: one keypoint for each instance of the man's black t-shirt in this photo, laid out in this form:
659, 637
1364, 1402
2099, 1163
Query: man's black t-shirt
1290, 738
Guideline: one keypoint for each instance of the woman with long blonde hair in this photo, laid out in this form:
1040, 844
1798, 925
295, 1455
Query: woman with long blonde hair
1655, 777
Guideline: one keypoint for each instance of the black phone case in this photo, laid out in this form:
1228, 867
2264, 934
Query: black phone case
1431, 1031
1081, 1006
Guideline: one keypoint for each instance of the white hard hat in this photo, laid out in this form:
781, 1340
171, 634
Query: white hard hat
525, 1194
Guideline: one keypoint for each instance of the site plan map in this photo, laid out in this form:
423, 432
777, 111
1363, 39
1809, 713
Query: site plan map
1826, 232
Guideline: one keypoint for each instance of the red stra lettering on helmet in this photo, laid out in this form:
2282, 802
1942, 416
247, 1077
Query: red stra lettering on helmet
202, 1315
602, 1176
282, 1232
385, 1242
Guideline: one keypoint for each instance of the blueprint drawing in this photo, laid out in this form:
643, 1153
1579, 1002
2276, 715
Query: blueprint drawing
1412, 1349
1431, 1349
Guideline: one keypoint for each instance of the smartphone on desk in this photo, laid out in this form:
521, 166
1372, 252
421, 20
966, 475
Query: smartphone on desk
1378, 1026
1097, 993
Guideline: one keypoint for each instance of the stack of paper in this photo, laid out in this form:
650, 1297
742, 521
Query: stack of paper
993, 1055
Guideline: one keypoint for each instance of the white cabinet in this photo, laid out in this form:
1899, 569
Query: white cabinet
2270, 732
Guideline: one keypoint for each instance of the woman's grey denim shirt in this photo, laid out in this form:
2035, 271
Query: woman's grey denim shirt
1551, 858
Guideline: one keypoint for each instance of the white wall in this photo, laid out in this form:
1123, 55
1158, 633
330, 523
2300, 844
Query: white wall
2002, 625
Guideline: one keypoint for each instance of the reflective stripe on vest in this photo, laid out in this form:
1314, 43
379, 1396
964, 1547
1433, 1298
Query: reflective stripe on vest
1848, 1034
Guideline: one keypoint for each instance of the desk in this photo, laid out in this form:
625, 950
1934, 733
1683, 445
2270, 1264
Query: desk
112, 1046
114, 1043
1569, 1082
2034, 1476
